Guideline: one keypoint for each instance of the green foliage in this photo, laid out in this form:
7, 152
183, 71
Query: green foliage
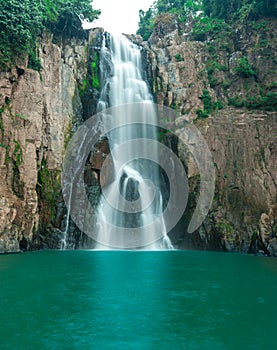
210, 16
21, 116
49, 187
207, 101
218, 105
212, 67
266, 101
225, 226
178, 8
17, 153
202, 114
179, 57
205, 27
230, 10
83, 87
94, 71
64, 17
2, 109
236, 101
209, 105
21, 21
33, 61
244, 69
146, 23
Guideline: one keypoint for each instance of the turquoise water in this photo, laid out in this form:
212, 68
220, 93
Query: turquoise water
137, 300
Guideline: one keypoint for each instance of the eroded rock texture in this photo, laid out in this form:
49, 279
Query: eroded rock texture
184, 73
203, 81
39, 112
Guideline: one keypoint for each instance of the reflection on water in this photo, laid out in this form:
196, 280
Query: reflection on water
137, 300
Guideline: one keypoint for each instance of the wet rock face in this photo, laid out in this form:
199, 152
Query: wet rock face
244, 152
101, 164
38, 112
242, 141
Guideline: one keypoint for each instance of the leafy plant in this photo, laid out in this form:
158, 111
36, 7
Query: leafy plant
267, 101
202, 114
178, 8
179, 57
94, 71
17, 153
207, 101
21, 21
244, 69
21, 116
146, 23
33, 61
83, 87
218, 105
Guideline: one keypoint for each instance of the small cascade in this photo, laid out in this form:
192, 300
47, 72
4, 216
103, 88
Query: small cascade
63, 243
70, 181
133, 202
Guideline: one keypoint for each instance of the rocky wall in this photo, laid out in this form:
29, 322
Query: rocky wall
39, 111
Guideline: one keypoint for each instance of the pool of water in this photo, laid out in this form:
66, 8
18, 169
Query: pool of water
137, 300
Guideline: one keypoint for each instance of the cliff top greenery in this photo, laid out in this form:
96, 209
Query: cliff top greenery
21, 21
205, 12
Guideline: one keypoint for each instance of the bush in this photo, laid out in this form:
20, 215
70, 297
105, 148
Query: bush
202, 114
244, 69
21, 21
179, 57
207, 101
267, 102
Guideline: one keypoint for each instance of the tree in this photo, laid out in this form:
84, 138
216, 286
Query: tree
230, 9
21, 21
146, 23
64, 17
147, 19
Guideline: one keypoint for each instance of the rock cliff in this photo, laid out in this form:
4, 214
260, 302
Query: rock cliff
39, 111
225, 88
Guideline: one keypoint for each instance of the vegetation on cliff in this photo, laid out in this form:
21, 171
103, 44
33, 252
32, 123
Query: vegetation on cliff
21, 21
205, 12
239, 50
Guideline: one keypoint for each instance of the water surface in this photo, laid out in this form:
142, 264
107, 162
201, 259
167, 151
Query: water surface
137, 300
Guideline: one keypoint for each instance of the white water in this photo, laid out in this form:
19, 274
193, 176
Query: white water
63, 243
136, 189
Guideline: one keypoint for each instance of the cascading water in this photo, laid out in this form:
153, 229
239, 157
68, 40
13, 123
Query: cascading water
133, 201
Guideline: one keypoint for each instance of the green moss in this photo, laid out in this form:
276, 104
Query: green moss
95, 71
49, 188
225, 227
33, 61
17, 154
202, 114
2, 109
83, 87
67, 134
266, 101
209, 105
244, 69
236, 101
179, 57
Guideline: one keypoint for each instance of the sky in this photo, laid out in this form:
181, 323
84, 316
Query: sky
119, 15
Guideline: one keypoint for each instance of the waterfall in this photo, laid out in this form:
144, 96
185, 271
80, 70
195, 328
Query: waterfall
131, 207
